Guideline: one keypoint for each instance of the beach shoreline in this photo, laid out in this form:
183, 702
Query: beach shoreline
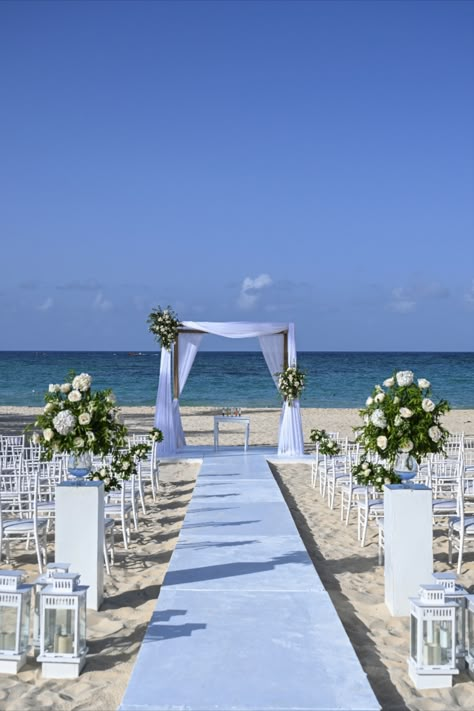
198, 421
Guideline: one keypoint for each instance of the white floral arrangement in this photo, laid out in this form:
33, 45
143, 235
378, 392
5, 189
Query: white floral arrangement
164, 325
76, 420
374, 474
326, 444
291, 383
121, 468
401, 417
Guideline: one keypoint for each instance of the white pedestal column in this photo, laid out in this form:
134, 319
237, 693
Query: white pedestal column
80, 534
408, 531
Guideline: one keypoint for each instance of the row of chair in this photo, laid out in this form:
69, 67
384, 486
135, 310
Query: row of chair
28, 505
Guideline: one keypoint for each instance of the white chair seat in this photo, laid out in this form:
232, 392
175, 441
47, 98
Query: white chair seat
445, 505
23, 525
468, 524
372, 504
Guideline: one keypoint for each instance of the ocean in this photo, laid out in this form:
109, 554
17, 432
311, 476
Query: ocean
239, 379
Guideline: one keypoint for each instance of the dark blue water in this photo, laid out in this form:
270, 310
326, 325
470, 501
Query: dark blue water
235, 378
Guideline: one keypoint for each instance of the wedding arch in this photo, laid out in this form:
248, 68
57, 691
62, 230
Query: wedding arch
277, 341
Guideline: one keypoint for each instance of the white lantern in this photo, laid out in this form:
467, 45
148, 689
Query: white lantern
41, 582
63, 627
456, 593
15, 603
432, 660
470, 635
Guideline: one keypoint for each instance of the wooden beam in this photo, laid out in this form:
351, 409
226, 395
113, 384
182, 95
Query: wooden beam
285, 350
176, 369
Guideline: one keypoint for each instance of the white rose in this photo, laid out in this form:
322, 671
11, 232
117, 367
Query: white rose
36, 438
74, 396
378, 418
381, 442
405, 412
49, 407
48, 434
398, 421
406, 446
404, 377
365, 466
90, 437
423, 383
82, 382
396, 400
126, 465
111, 397
434, 433
78, 442
389, 382
369, 401
428, 405
380, 397
51, 388
65, 388
107, 481
84, 418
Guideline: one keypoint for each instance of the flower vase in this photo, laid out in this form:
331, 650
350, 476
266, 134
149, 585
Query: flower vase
405, 466
79, 465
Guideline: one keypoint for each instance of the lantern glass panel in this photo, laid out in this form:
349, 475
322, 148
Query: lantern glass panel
8, 623
470, 629
437, 642
460, 627
82, 622
25, 623
414, 637
59, 631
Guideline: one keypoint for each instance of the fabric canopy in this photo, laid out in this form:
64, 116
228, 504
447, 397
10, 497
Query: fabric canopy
272, 341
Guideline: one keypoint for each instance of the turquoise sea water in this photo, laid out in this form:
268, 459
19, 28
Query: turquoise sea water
235, 378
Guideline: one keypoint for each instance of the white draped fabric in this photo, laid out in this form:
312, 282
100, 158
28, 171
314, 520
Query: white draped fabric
164, 408
167, 417
188, 347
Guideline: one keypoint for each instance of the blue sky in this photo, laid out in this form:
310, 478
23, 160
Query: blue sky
289, 161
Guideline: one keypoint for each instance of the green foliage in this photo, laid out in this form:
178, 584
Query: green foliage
369, 474
77, 420
291, 383
164, 325
326, 444
402, 418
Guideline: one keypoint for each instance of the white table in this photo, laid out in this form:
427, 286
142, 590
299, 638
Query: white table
229, 418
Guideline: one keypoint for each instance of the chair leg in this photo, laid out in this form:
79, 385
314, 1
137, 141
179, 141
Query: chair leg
349, 504
106, 557
461, 548
38, 554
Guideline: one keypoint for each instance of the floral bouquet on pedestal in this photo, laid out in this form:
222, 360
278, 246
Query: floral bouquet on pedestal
402, 422
78, 421
291, 383
327, 445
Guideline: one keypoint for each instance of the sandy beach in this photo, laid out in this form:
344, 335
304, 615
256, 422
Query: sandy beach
350, 573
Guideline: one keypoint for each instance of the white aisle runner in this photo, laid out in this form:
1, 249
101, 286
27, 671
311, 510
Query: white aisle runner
243, 622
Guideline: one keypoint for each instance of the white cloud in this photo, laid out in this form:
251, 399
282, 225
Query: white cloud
250, 290
46, 305
100, 303
402, 300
